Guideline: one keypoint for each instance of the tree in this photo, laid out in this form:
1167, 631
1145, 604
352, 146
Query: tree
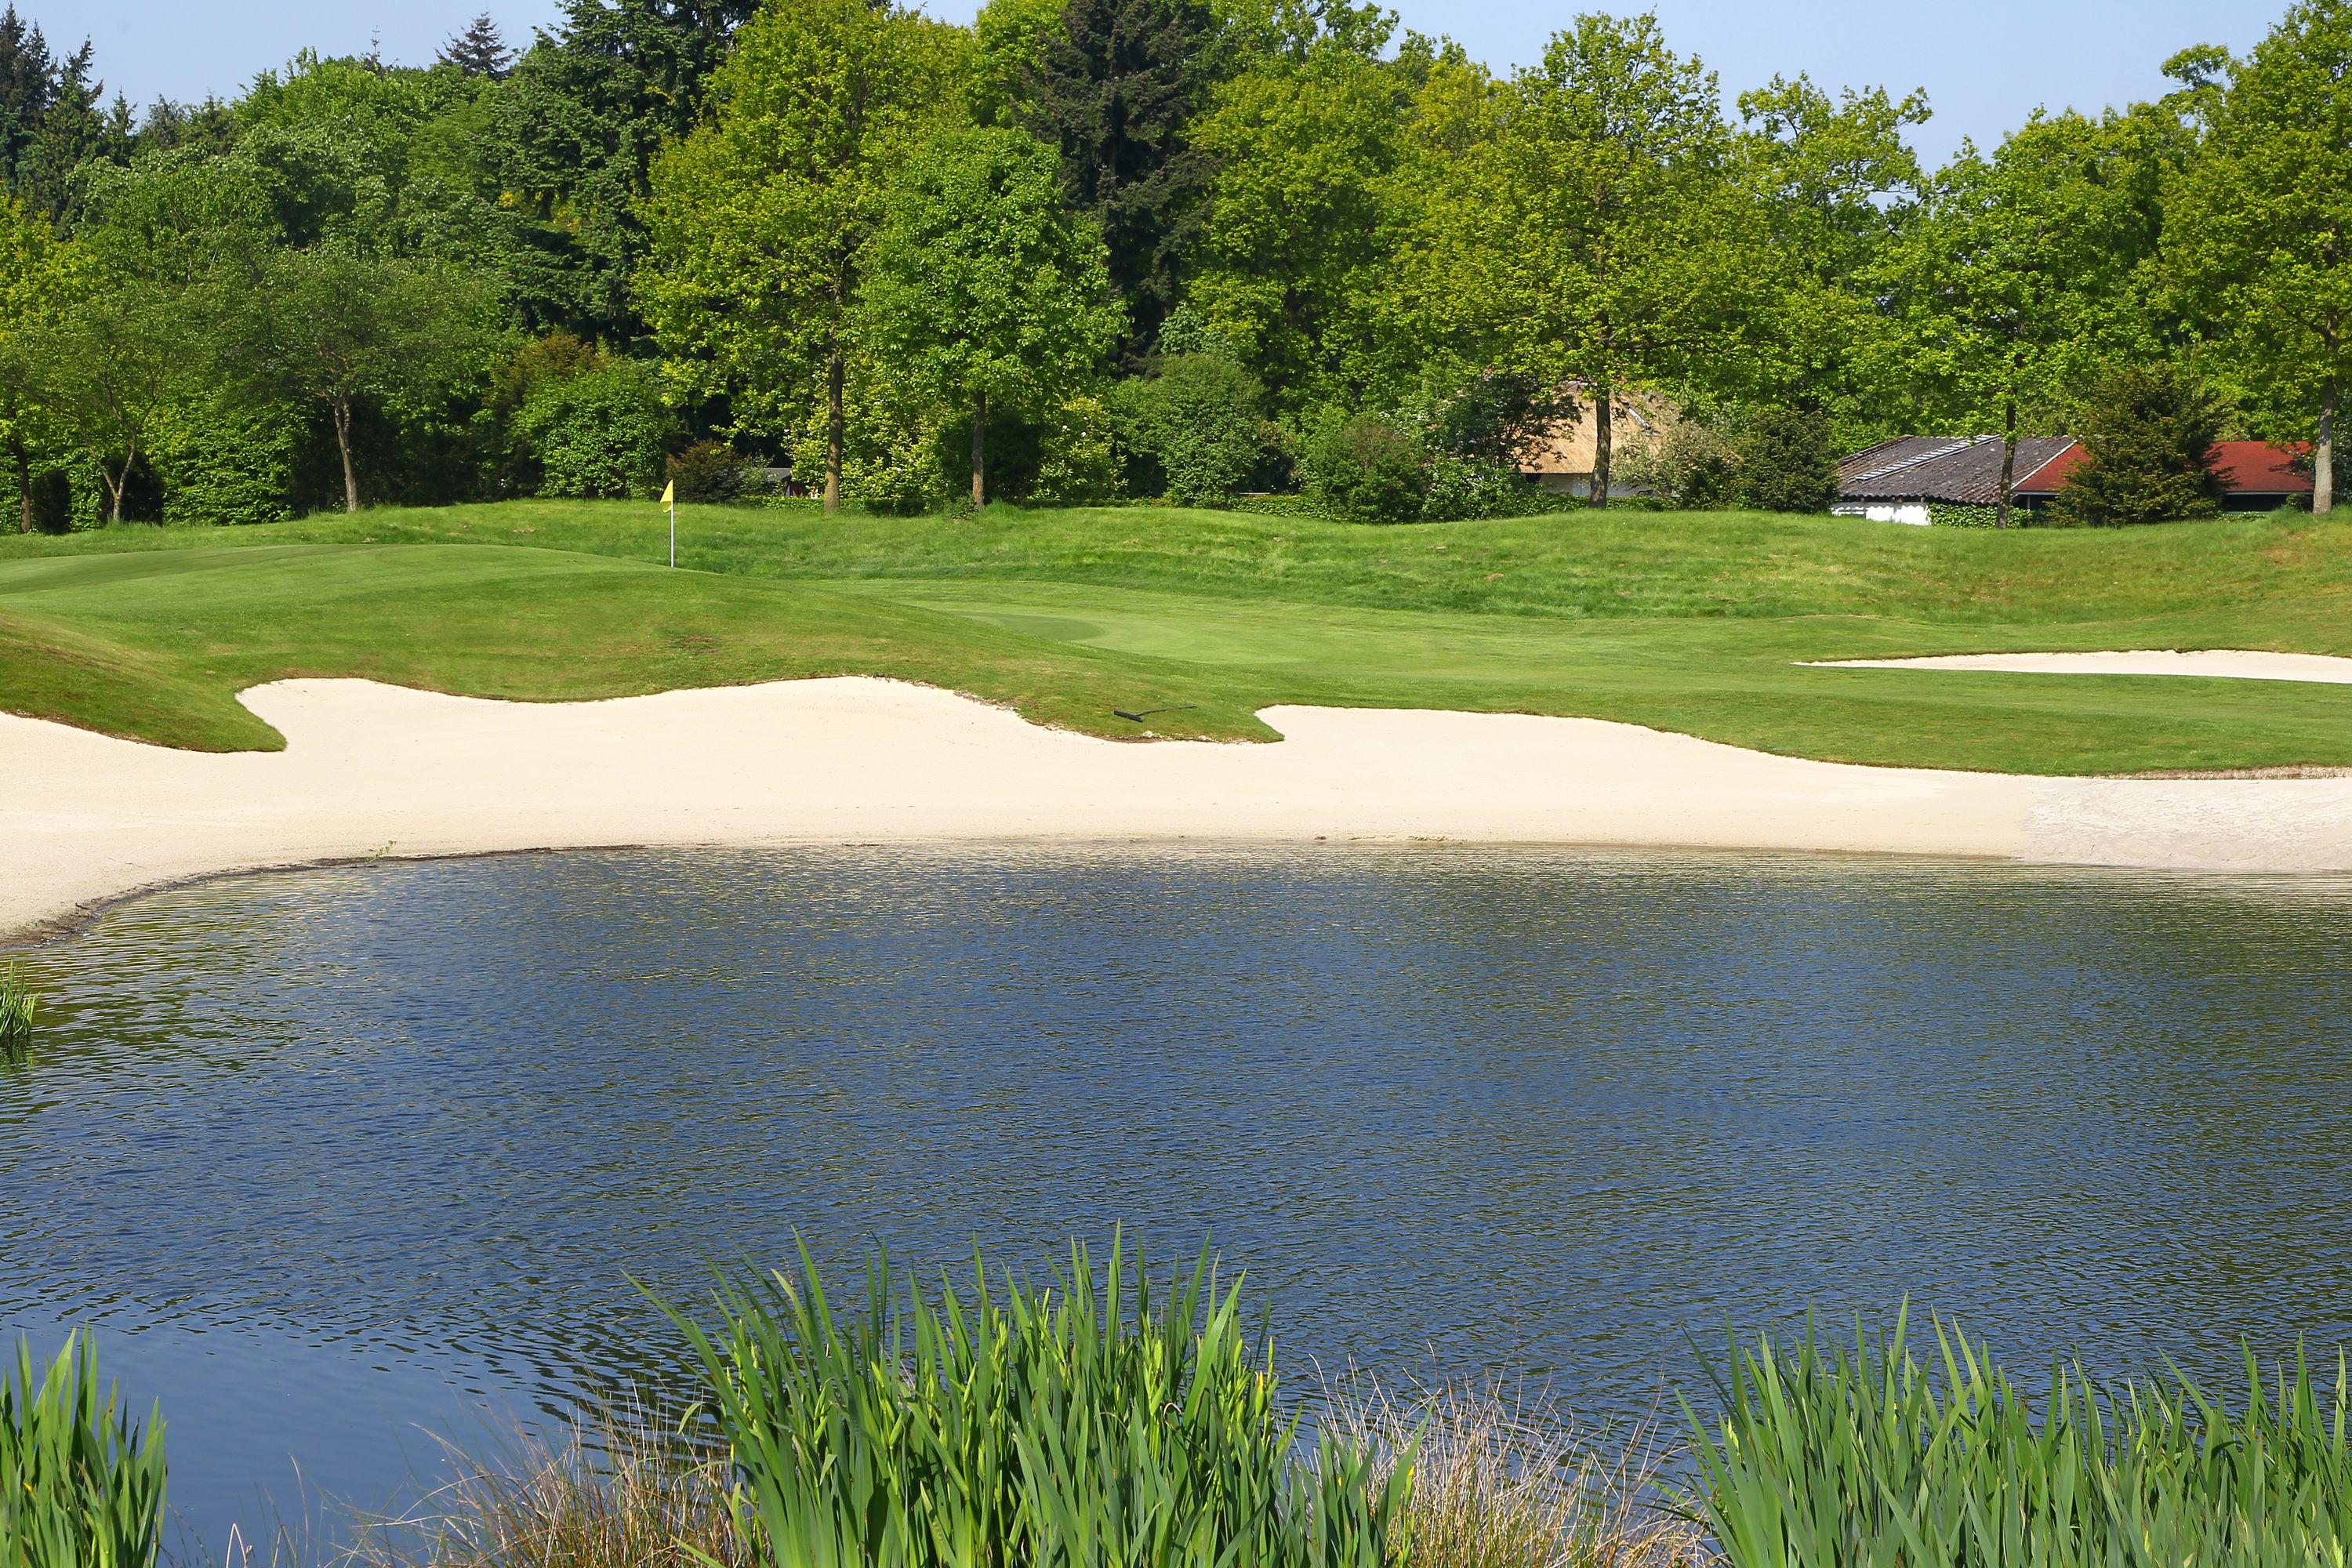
2149, 433
333, 329
572, 134
117, 360
2259, 238
2018, 275
759, 222
1599, 232
479, 50
1297, 237
983, 286
40, 278
1838, 186
1116, 91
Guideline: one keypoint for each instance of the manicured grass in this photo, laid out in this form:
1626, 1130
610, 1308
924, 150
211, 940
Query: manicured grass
1689, 622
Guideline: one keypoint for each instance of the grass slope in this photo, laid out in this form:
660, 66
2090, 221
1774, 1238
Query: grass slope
1684, 623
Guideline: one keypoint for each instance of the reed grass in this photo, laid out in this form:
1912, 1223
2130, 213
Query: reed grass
617, 1491
1091, 1424
18, 1006
1501, 1479
1863, 1457
81, 1485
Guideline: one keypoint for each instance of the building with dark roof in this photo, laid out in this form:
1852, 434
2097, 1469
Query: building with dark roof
2255, 475
1905, 479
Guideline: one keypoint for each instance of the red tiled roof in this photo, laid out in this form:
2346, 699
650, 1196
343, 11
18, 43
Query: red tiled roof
2045, 480
2248, 468
2260, 470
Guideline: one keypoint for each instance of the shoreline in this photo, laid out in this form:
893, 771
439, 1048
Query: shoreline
379, 772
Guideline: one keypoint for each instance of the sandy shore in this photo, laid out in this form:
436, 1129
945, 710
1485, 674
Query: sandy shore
2234, 664
377, 770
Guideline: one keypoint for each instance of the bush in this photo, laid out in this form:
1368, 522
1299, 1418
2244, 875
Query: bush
227, 463
80, 1485
1015, 1427
710, 471
1692, 466
600, 433
1365, 466
2149, 433
1464, 488
1078, 462
1197, 418
1788, 461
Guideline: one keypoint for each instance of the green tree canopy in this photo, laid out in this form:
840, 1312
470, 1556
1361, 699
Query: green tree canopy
333, 329
2021, 275
1594, 233
2259, 233
759, 222
983, 287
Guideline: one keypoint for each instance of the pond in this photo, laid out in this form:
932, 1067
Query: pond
338, 1159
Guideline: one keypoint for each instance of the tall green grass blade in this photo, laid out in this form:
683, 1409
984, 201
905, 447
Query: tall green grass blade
1097, 1423
81, 1485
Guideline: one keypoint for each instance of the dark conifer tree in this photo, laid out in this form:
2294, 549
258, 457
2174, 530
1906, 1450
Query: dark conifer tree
1114, 92
479, 50
2149, 432
577, 126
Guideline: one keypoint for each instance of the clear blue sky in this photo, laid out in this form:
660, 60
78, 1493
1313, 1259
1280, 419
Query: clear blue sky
1986, 64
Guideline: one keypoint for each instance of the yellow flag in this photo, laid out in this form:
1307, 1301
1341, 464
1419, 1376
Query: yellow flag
669, 493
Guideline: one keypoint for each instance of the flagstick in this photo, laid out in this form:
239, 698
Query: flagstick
673, 533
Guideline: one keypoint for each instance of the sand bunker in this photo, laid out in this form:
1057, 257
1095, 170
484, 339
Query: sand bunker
2225, 662
378, 769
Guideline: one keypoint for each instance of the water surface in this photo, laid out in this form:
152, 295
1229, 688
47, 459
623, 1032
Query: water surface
339, 1157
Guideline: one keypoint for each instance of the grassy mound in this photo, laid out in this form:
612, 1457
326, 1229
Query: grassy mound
1690, 623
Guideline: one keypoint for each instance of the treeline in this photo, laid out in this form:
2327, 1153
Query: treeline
1114, 248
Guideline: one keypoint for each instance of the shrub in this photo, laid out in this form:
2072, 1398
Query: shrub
81, 1485
226, 463
1197, 418
710, 471
1692, 464
1788, 461
600, 433
1090, 1422
2149, 433
1079, 460
1365, 466
1462, 487
1864, 1456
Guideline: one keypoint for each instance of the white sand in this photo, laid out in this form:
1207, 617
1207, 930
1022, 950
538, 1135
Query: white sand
2231, 663
373, 769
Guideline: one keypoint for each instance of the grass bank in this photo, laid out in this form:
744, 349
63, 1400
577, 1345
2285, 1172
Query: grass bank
1693, 622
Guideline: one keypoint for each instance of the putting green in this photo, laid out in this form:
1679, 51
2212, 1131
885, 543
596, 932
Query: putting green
1690, 624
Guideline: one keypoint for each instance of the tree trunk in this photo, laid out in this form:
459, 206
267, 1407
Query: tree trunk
24, 483
833, 430
980, 451
2008, 459
2323, 452
1602, 431
120, 483
343, 406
